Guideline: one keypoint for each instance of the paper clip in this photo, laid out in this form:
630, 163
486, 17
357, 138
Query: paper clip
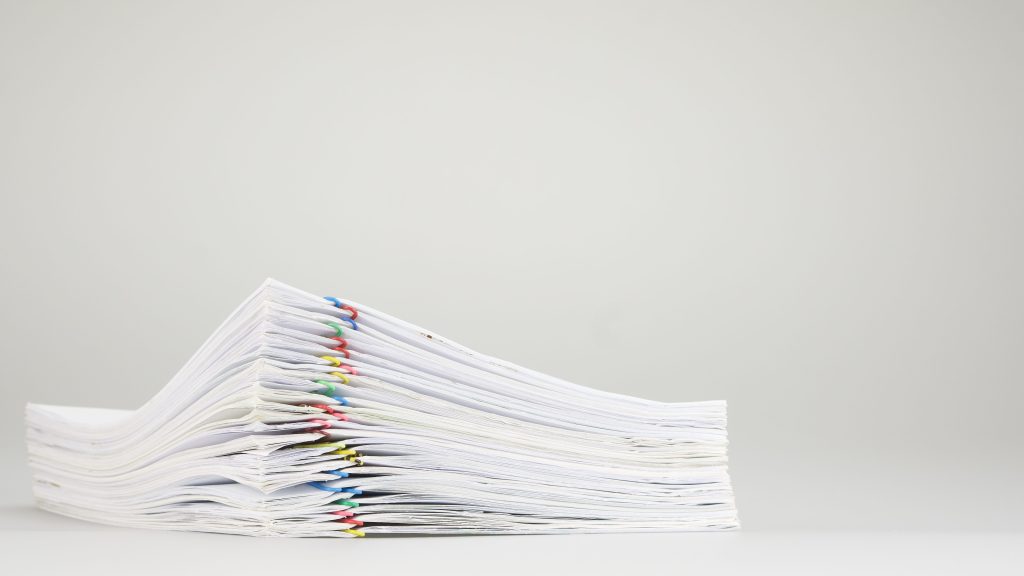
340, 365
337, 328
329, 385
322, 486
334, 445
339, 304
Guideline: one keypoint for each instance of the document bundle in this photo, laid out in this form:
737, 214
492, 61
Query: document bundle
310, 416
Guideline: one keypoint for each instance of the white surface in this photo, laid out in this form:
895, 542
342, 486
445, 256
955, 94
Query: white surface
45, 543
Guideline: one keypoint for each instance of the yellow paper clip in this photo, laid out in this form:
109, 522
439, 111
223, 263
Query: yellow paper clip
355, 532
339, 445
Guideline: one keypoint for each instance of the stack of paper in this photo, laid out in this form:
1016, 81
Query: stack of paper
307, 416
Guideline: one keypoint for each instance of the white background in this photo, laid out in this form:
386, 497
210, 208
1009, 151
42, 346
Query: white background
810, 209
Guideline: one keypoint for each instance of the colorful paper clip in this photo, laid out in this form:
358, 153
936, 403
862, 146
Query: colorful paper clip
337, 329
330, 387
322, 486
334, 360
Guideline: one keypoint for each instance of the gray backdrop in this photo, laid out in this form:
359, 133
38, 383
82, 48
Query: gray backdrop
810, 209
